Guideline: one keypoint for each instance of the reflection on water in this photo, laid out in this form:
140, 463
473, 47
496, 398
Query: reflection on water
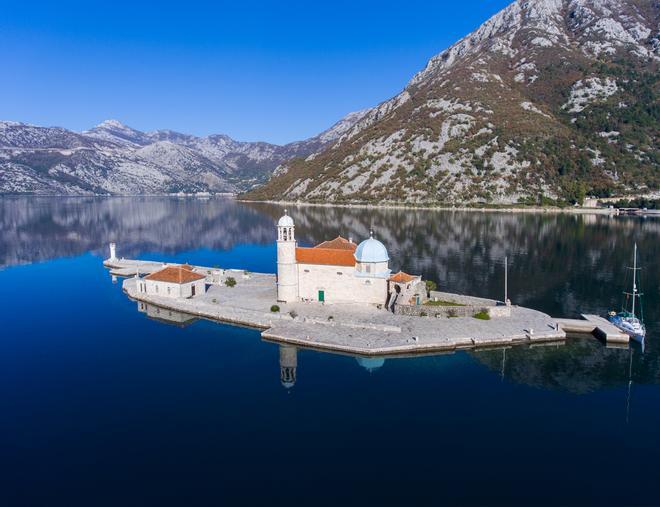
580, 365
165, 315
288, 365
97, 396
370, 364
561, 264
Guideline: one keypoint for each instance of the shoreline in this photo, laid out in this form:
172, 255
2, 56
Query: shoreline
569, 210
509, 209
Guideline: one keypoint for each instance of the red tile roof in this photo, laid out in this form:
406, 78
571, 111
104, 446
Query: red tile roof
325, 256
175, 274
402, 277
338, 243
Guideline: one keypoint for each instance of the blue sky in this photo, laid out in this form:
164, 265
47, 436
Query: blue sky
271, 71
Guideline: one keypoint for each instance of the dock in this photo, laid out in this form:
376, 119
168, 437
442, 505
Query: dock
359, 329
593, 324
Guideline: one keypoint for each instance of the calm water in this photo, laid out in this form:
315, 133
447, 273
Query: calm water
102, 405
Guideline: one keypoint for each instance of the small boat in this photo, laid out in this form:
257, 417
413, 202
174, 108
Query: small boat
626, 320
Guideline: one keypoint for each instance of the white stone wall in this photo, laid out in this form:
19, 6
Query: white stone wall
409, 291
339, 288
372, 268
171, 290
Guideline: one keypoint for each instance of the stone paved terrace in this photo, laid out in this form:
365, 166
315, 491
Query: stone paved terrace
351, 328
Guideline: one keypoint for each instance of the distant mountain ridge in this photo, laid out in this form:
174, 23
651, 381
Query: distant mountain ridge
113, 158
548, 99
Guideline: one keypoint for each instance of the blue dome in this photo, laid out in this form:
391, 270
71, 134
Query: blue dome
371, 250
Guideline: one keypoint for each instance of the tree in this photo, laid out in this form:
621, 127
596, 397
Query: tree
430, 286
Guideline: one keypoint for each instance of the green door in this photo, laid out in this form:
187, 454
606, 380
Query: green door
321, 295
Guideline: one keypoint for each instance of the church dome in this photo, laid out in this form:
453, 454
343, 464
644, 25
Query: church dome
285, 221
371, 250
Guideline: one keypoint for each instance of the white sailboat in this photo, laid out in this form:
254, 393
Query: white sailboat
627, 321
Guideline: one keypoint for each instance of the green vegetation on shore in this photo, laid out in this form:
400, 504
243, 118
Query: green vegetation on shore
442, 303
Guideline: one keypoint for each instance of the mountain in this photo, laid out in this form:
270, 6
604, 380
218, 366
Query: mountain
113, 158
547, 100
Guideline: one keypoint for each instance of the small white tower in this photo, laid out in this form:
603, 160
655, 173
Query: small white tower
113, 252
287, 270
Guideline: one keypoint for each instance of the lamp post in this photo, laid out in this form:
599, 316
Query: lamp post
506, 281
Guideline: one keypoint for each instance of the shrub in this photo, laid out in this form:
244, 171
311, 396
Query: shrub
293, 314
274, 308
230, 281
430, 285
423, 314
452, 313
482, 315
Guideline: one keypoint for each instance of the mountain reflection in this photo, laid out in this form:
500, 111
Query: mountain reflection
562, 264
580, 366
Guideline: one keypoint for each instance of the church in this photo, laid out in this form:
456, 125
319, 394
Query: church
340, 271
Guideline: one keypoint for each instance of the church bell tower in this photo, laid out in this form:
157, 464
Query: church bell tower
287, 269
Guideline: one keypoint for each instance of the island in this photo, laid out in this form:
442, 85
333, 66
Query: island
342, 296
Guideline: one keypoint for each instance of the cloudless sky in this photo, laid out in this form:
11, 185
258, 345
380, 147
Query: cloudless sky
271, 71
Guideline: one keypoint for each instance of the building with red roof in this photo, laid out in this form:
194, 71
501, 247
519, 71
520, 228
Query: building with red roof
175, 281
334, 271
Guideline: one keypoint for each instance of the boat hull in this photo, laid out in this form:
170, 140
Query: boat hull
634, 329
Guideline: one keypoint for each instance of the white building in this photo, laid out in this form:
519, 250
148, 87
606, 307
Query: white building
174, 282
336, 271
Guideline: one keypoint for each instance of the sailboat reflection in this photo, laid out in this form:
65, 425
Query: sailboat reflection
630, 380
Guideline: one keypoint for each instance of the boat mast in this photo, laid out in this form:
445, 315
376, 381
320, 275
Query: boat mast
634, 294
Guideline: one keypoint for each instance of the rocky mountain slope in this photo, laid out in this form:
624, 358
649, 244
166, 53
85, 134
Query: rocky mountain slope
112, 158
547, 100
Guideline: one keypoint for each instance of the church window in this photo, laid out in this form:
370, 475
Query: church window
285, 235
169, 290
156, 289
339, 273
307, 271
368, 268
